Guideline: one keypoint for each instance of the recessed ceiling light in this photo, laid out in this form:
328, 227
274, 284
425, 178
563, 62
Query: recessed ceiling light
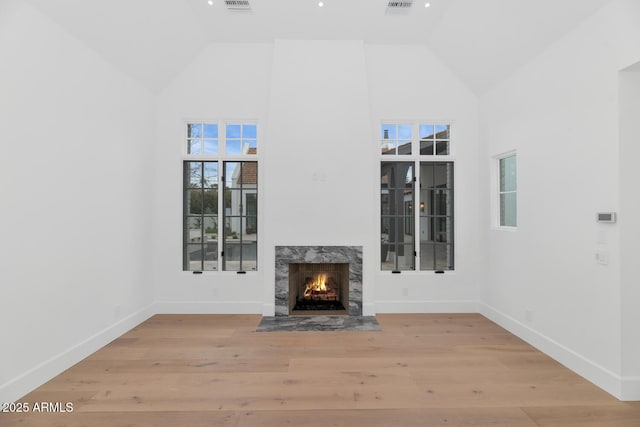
210, 2
320, 4
427, 4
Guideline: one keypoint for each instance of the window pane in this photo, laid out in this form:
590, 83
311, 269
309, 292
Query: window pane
210, 261
386, 225
442, 131
210, 243
210, 226
210, 202
232, 229
405, 257
194, 146
249, 256
388, 257
444, 257
210, 177
441, 230
440, 202
250, 146
240, 256
426, 147
232, 174
210, 146
194, 130
508, 174
404, 147
251, 226
233, 146
442, 148
405, 132
388, 131
249, 131
193, 202
508, 209
211, 131
194, 230
234, 203
193, 257
427, 256
193, 170
232, 248
426, 132
385, 204
442, 175
426, 175
233, 131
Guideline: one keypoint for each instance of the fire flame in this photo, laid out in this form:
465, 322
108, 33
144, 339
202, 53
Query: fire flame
318, 284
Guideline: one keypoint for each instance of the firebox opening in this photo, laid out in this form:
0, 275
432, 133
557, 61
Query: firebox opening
319, 288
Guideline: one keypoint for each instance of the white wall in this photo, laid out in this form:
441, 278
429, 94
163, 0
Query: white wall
75, 190
560, 112
319, 157
409, 82
319, 105
630, 224
225, 82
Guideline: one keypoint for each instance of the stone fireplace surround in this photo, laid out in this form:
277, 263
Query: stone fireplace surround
286, 255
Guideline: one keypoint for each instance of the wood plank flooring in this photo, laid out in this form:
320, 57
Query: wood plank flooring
420, 370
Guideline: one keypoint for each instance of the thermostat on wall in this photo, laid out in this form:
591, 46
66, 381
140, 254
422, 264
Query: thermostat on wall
606, 217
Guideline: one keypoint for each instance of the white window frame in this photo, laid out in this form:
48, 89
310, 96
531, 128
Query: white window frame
221, 158
416, 158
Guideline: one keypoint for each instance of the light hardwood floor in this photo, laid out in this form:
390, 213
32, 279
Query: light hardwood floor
420, 370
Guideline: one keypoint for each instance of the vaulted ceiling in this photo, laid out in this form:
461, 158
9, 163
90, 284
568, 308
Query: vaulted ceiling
481, 41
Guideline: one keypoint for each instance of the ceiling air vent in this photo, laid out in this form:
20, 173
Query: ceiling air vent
399, 7
237, 4
399, 4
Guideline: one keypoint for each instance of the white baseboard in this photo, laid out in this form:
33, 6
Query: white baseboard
623, 388
269, 310
454, 306
368, 309
208, 307
17, 387
630, 388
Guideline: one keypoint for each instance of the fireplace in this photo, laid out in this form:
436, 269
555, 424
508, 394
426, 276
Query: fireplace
298, 266
318, 289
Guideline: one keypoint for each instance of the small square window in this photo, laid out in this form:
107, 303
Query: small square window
202, 138
241, 139
396, 139
434, 139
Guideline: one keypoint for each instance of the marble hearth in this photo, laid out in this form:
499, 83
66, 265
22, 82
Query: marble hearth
286, 255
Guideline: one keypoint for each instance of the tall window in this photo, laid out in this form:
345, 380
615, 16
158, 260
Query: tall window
397, 197
416, 194
508, 191
436, 215
226, 238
